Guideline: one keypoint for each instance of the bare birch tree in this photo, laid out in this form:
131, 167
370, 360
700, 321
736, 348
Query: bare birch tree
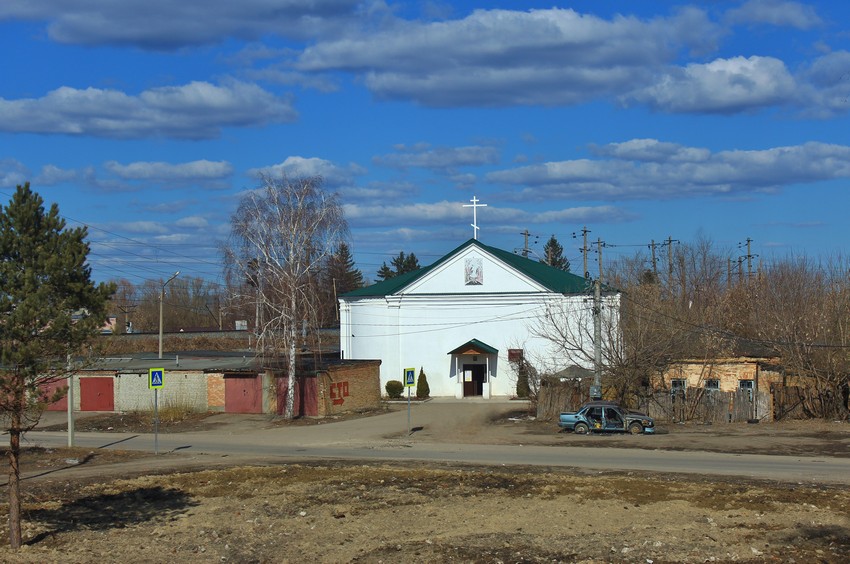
281, 235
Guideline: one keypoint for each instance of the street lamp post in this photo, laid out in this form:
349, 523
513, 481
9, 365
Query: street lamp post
161, 299
156, 390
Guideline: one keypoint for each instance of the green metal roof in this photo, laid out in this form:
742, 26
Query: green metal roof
478, 346
552, 279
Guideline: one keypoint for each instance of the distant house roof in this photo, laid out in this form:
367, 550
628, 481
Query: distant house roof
209, 361
553, 279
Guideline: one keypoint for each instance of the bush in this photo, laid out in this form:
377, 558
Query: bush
394, 389
422, 389
522, 387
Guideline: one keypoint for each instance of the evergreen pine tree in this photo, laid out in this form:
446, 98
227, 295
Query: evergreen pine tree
401, 265
50, 308
553, 255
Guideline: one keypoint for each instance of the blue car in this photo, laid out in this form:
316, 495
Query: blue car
606, 417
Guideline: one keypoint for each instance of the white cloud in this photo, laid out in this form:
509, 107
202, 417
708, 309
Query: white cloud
12, 173
144, 227
378, 190
438, 158
651, 150
587, 214
166, 25
775, 12
335, 176
197, 110
202, 170
722, 86
453, 213
632, 173
827, 85
502, 57
421, 213
51, 175
193, 221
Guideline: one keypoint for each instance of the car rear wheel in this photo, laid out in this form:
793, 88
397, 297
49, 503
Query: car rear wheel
635, 428
580, 429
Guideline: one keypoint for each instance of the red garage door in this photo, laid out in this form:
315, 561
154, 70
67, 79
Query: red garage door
243, 394
306, 396
47, 391
97, 394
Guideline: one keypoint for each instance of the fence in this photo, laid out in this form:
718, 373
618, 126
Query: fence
691, 404
709, 406
556, 396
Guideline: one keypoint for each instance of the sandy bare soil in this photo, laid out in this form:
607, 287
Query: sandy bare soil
351, 512
407, 513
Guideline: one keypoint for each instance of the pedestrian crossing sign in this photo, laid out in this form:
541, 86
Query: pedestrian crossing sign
155, 378
409, 377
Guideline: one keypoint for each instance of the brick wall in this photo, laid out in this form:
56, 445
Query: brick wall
349, 386
728, 372
215, 392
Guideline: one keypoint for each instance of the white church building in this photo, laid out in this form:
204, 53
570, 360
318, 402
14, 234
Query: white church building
463, 319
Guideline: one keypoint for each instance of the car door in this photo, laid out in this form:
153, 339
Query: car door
595, 418
614, 420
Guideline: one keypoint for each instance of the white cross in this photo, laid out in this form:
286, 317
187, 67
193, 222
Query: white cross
475, 205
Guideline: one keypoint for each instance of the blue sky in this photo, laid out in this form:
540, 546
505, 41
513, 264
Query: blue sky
146, 121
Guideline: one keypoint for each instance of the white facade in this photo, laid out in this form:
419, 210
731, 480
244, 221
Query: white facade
457, 320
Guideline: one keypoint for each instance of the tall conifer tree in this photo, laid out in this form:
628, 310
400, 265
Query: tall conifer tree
49, 308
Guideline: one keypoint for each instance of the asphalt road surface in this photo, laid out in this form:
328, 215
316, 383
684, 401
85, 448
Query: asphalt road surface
438, 426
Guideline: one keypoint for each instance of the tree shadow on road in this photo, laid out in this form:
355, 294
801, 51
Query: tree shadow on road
111, 511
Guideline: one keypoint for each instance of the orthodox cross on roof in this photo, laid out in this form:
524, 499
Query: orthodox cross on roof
475, 205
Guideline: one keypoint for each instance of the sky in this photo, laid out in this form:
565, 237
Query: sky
147, 121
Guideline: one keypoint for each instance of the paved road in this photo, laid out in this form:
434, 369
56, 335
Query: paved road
440, 426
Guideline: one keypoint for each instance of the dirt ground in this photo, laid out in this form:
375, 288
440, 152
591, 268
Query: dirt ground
399, 512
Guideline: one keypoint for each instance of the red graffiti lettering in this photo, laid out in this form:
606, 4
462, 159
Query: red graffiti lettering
339, 391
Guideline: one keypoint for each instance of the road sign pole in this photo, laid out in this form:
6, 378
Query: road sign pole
409, 382
156, 420
156, 379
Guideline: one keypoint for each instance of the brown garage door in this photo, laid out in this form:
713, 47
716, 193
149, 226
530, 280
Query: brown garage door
243, 394
97, 394
306, 396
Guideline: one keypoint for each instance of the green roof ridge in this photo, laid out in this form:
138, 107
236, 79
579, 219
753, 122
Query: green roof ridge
553, 279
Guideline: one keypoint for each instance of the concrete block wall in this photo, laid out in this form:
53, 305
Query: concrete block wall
181, 389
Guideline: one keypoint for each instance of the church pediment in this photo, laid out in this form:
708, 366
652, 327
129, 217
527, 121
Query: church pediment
473, 270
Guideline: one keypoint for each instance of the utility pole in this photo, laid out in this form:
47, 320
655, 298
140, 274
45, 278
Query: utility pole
70, 402
670, 260
584, 232
127, 310
728, 272
654, 262
525, 244
599, 245
596, 390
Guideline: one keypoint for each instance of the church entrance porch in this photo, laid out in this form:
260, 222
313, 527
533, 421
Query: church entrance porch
473, 365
